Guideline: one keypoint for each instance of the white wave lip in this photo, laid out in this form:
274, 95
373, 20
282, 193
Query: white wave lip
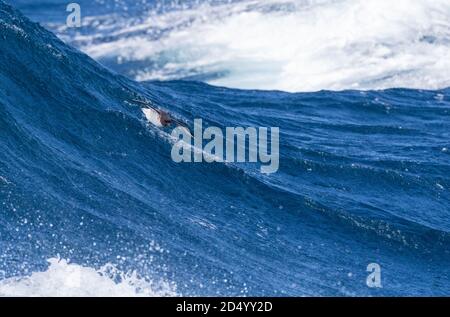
288, 45
63, 279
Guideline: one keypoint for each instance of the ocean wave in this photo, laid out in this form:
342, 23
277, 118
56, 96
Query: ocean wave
278, 44
363, 178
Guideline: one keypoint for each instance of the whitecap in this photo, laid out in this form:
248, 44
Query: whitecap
65, 279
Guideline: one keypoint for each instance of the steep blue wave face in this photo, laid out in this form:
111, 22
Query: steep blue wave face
92, 203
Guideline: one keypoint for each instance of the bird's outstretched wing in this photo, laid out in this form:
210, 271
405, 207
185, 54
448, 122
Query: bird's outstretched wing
146, 104
182, 124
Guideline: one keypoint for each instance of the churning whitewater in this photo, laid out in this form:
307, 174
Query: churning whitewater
301, 45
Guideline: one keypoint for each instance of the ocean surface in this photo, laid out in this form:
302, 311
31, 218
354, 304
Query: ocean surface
91, 202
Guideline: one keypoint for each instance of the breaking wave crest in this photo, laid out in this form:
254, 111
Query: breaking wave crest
63, 279
279, 44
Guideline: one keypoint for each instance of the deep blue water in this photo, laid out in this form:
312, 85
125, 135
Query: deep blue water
364, 178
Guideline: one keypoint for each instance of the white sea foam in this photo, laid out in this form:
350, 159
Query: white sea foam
4, 180
63, 279
285, 44
12, 27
